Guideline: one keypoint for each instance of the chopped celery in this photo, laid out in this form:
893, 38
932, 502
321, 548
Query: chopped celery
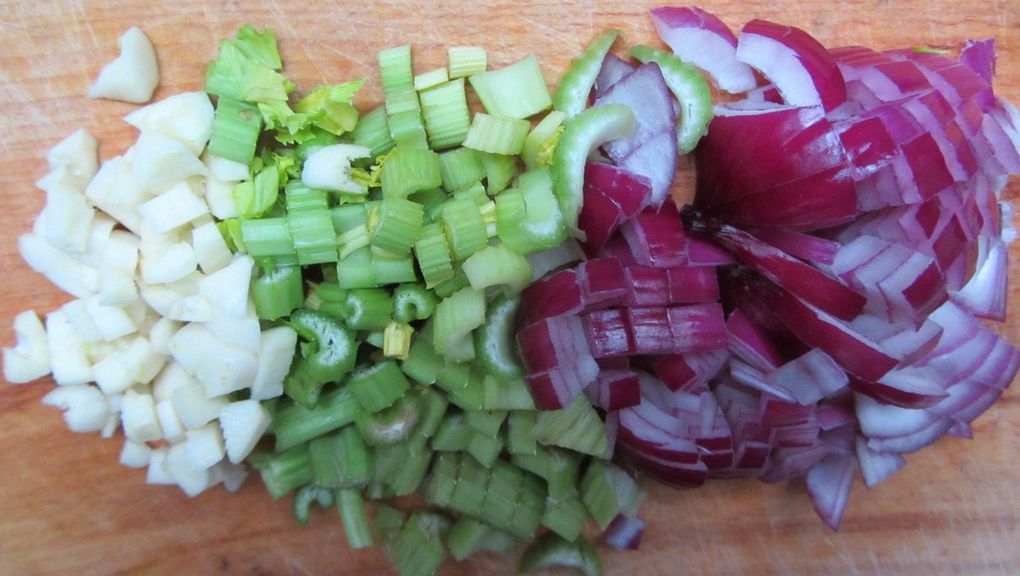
552, 551
453, 433
539, 463
389, 270
368, 309
515, 91
298, 197
418, 550
373, 132
466, 60
355, 270
391, 425
287, 471
267, 237
561, 478
305, 497
417, 457
432, 250
472, 484
439, 489
352, 514
464, 227
494, 340
582, 134
467, 537
433, 410
348, 217
254, 198
608, 491
422, 363
503, 493
487, 422
500, 170
497, 134
565, 516
378, 386
387, 522
401, 101
541, 140
519, 425
456, 317
456, 282
407, 130
576, 427
278, 292
395, 68
427, 80
396, 223
294, 424
530, 506
460, 168
235, 131
313, 236
510, 394
408, 170
413, 302
691, 91
530, 219
497, 265
572, 92
485, 449
444, 109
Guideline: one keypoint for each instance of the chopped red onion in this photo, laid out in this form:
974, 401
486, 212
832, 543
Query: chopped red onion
613, 69
828, 484
657, 238
554, 295
876, 467
809, 377
702, 40
624, 532
796, 63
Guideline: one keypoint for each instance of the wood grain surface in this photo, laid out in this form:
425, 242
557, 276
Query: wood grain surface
66, 507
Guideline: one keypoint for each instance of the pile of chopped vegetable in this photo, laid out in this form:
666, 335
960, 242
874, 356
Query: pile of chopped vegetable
502, 310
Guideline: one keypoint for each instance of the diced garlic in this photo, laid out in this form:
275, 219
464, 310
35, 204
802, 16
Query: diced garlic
170, 421
231, 475
219, 195
194, 408
165, 264
138, 415
68, 219
68, 358
161, 333
242, 333
111, 322
76, 157
113, 190
173, 208
192, 482
58, 267
84, 406
99, 234
204, 446
224, 169
276, 352
133, 75
228, 288
117, 289
160, 162
186, 117
157, 472
210, 249
29, 358
218, 367
113, 405
169, 380
134, 454
78, 315
243, 424
120, 254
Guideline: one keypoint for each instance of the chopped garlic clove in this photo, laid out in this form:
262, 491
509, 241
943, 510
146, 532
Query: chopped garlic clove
29, 358
84, 407
133, 75
186, 117
243, 424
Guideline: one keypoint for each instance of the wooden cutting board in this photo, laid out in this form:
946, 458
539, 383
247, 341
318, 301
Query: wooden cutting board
67, 507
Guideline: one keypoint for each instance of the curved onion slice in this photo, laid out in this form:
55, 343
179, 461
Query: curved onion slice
796, 63
702, 40
651, 150
829, 483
